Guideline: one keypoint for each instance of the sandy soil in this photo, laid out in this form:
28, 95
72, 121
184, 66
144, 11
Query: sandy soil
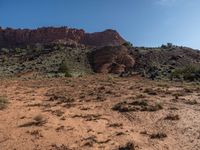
99, 112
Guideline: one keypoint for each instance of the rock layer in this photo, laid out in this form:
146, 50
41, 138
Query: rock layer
19, 37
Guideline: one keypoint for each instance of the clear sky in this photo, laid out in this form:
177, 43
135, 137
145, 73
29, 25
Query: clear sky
142, 22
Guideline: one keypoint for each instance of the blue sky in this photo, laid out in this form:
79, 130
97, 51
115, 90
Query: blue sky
142, 22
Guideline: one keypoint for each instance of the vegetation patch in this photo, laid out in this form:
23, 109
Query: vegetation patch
128, 44
188, 73
150, 91
3, 102
38, 120
127, 146
159, 135
172, 117
64, 68
191, 102
138, 105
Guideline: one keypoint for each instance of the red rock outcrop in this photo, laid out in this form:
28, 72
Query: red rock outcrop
10, 37
106, 38
111, 59
17, 37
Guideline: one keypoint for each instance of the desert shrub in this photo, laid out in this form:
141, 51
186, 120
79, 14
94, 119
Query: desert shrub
38, 47
163, 46
128, 146
110, 78
190, 73
59, 47
64, 68
5, 50
172, 117
158, 135
128, 44
19, 50
169, 45
150, 91
3, 102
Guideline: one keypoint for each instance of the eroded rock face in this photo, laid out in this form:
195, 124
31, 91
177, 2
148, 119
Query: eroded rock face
105, 38
112, 59
19, 37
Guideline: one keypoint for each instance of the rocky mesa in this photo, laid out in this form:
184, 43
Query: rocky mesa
18, 37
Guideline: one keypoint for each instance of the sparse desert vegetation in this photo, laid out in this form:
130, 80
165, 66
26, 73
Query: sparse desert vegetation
189, 72
93, 112
71, 90
88, 87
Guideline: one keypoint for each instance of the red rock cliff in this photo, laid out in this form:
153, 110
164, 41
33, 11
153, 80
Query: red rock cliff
16, 37
106, 38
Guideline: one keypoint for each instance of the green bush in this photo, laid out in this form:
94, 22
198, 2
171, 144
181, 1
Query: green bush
169, 45
190, 73
128, 44
19, 50
64, 68
38, 47
5, 50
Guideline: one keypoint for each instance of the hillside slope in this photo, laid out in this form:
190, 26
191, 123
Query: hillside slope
47, 50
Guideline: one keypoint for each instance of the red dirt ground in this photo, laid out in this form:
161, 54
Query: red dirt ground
77, 114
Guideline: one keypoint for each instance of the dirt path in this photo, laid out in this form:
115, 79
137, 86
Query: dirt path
99, 112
